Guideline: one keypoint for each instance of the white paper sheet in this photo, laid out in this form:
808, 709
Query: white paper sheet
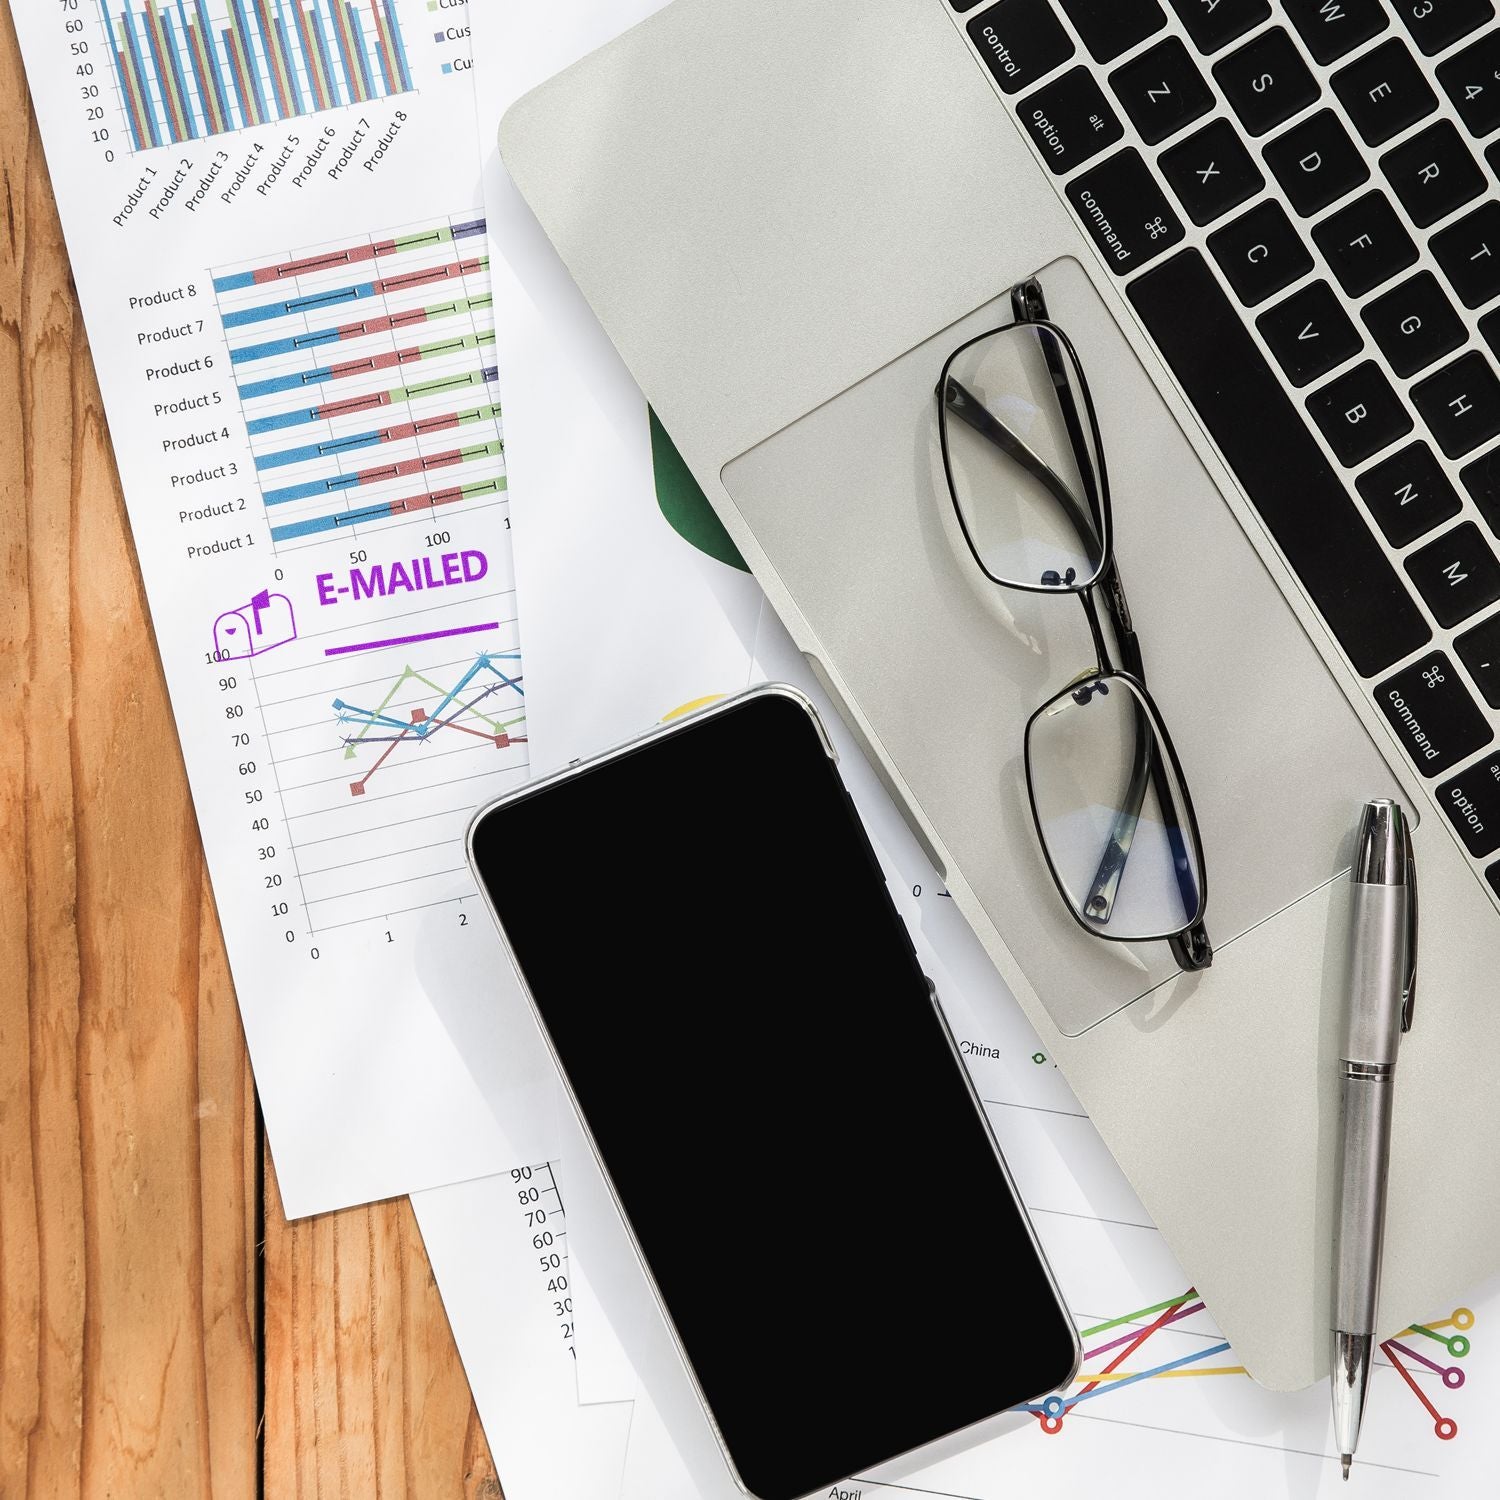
293, 331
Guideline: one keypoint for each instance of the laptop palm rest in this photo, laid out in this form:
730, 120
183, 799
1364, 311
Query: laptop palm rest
851, 502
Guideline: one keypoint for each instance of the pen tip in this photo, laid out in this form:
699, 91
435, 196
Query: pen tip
1346, 1459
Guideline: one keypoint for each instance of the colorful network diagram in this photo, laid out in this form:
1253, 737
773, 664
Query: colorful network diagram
1449, 1334
366, 373
474, 706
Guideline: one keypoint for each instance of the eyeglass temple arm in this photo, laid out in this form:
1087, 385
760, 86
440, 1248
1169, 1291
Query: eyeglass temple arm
970, 410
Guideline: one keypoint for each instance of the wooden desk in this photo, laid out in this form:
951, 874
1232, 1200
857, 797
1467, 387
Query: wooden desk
164, 1332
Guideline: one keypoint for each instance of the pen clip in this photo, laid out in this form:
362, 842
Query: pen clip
1409, 984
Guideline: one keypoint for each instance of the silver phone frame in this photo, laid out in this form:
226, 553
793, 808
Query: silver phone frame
617, 752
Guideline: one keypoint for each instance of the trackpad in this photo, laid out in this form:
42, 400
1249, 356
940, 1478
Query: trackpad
851, 505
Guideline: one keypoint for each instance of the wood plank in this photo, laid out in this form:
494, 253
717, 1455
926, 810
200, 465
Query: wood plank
127, 1143
365, 1395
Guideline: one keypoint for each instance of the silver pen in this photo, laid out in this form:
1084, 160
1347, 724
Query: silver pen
1382, 987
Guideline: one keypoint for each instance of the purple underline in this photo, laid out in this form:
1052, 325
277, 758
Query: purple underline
410, 640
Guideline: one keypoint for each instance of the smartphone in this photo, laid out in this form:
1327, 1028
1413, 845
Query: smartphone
779, 1108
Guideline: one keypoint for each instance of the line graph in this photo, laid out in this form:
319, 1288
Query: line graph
366, 373
383, 747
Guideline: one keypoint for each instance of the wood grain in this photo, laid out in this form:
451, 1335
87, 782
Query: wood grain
146, 1348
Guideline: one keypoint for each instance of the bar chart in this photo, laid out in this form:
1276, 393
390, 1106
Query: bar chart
191, 69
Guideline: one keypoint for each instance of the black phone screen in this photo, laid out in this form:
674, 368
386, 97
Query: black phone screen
740, 1014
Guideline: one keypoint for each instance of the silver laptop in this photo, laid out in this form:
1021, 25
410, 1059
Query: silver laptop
1270, 235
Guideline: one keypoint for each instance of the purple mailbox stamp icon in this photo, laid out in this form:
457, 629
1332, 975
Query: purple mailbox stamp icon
261, 625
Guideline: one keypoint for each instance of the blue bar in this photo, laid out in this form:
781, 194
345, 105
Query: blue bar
282, 419
267, 310
286, 51
148, 107
328, 523
316, 22
293, 345
312, 451
284, 383
206, 30
120, 73
393, 25
314, 487
174, 56
242, 25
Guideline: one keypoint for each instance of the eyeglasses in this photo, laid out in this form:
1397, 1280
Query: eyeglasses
1025, 470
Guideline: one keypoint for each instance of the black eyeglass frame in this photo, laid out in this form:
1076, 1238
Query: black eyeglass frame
1189, 943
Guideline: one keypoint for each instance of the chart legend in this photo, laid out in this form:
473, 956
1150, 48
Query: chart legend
190, 69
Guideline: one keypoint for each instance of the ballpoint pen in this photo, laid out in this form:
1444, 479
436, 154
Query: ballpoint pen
1382, 987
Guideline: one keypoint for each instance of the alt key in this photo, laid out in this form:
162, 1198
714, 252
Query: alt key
1071, 121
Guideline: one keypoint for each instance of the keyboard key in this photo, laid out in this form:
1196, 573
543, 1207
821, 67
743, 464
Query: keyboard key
1433, 173
1316, 163
1433, 715
1479, 650
1472, 802
1162, 90
1437, 24
1331, 28
1266, 81
1461, 404
1021, 41
1493, 876
1310, 333
1071, 120
1408, 494
1471, 79
1457, 574
1469, 254
1110, 27
1481, 481
1365, 244
1124, 211
1415, 324
1215, 23
1359, 414
1211, 172
1384, 92
1260, 252
1489, 326
1296, 492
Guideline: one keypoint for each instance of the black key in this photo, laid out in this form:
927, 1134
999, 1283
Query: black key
1471, 79
1359, 414
1415, 324
1433, 173
1330, 28
1022, 41
1481, 479
1384, 92
1432, 713
1162, 90
1479, 649
1439, 23
1365, 244
1489, 326
1126, 214
1469, 254
1461, 404
1215, 23
1457, 574
962, 5
1316, 162
1492, 156
1493, 876
1294, 489
1260, 252
1472, 802
1110, 27
1211, 172
1071, 120
1266, 81
1310, 333
1408, 494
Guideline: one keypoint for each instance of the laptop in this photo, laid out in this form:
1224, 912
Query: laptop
1271, 234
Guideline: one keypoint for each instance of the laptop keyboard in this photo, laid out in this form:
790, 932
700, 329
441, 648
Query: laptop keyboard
1300, 200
